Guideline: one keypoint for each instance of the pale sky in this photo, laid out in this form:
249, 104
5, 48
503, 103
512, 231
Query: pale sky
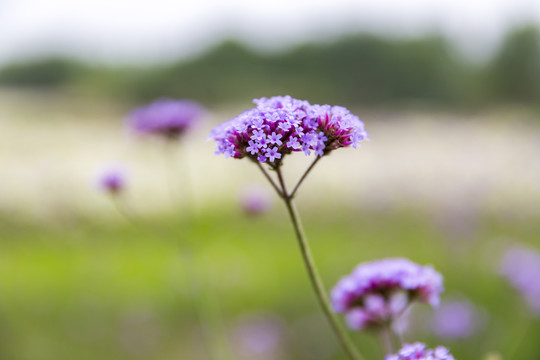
130, 31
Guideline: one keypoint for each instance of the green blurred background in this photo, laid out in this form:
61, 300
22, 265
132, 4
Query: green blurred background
451, 178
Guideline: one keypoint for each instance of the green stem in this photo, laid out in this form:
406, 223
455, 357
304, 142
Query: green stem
187, 187
387, 343
200, 289
524, 330
314, 277
269, 178
200, 283
169, 149
201, 286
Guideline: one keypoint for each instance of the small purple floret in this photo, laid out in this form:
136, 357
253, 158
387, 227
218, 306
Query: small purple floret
380, 291
253, 147
274, 138
273, 154
293, 143
166, 117
258, 134
291, 125
419, 351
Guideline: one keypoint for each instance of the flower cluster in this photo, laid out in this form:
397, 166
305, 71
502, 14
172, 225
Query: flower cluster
521, 266
165, 117
259, 336
112, 180
255, 200
456, 319
281, 125
418, 351
377, 292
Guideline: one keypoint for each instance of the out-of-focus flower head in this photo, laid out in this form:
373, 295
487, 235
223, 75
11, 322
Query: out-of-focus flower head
455, 319
521, 266
255, 200
378, 292
259, 336
166, 117
281, 125
112, 180
419, 351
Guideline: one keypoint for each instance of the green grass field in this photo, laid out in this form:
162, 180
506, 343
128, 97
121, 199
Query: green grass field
81, 288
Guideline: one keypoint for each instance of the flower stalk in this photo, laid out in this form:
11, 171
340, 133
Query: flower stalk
387, 343
314, 277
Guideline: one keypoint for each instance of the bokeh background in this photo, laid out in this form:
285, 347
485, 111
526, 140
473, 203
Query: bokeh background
449, 92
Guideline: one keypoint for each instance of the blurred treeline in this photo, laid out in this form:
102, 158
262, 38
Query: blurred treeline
360, 69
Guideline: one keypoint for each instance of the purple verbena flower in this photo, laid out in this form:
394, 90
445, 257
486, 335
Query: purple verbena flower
321, 137
263, 144
272, 153
378, 292
285, 125
253, 147
419, 351
274, 138
307, 139
228, 151
306, 148
521, 266
259, 336
255, 200
258, 135
319, 149
293, 143
166, 117
112, 180
455, 319
278, 120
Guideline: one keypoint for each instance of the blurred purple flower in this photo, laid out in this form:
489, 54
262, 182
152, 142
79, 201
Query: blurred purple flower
259, 335
380, 291
455, 319
419, 351
112, 180
255, 200
290, 125
521, 267
166, 117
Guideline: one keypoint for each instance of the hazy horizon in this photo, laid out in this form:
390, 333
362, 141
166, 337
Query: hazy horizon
124, 32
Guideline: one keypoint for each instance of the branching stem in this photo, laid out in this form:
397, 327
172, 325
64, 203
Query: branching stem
314, 277
269, 178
